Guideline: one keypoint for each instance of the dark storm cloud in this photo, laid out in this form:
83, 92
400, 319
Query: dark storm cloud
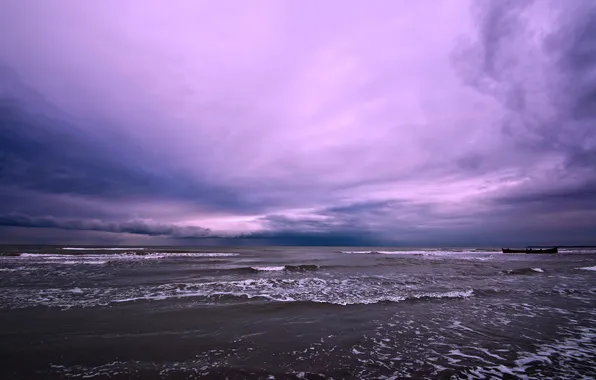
578, 65
138, 227
359, 223
548, 86
359, 216
342, 225
41, 151
329, 238
505, 58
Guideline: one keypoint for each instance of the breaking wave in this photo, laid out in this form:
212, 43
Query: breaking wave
102, 258
360, 252
379, 252
524, 271
588, 268
481, 255
267, 269
336, 292
102, 249
18, 269
287, 268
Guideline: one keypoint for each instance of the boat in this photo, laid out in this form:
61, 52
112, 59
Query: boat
531, 250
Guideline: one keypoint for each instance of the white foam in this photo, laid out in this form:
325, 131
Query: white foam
104, 249
532, 358
487, 352
539, 270
356, 301
43, 256
380, 252
398, 348
191, 254
268, 269
434, 254
335, 292
82, 262
457, 352
588, 268
101, 258
196, 367
13, 269
452, 294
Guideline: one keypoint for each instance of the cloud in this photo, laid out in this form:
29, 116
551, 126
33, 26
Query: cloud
44, 152
137, 227
301, 121
538, 60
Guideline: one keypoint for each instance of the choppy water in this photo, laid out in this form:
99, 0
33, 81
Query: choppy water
120, 313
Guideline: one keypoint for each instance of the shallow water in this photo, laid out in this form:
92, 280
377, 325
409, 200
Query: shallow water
292, 313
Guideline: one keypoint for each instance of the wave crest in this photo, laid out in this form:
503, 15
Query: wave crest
588, 268
524, 271
287, 268
312, 290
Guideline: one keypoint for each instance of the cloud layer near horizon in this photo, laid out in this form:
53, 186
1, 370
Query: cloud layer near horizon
449, 122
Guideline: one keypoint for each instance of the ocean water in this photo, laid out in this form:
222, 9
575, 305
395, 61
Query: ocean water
296, 313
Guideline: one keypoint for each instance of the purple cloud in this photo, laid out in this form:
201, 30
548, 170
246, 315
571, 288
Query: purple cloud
402, 122
136, 227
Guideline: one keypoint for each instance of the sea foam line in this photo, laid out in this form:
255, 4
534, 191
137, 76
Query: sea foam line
317, 290
268, 269
588, 268
121, 256
102, 249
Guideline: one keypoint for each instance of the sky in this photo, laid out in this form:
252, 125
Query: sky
352, 122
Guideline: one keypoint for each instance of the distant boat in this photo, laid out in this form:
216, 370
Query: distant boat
531, 250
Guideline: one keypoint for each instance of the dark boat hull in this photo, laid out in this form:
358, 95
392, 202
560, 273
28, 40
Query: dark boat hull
531, 250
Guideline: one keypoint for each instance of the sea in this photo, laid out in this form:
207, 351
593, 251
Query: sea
296, 313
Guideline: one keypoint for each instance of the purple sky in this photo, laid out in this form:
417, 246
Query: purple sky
453, 122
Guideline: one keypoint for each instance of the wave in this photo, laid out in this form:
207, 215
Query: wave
240, 296
102, 249
451, 294
345, 301
162, 255
267, 269
588, 268
301, 268
41, 260
379, 252
81, 262
117, 256
578, 250
279, 268
412, 253
524, 271
362, 252
309, 290
19, 269
482, 255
